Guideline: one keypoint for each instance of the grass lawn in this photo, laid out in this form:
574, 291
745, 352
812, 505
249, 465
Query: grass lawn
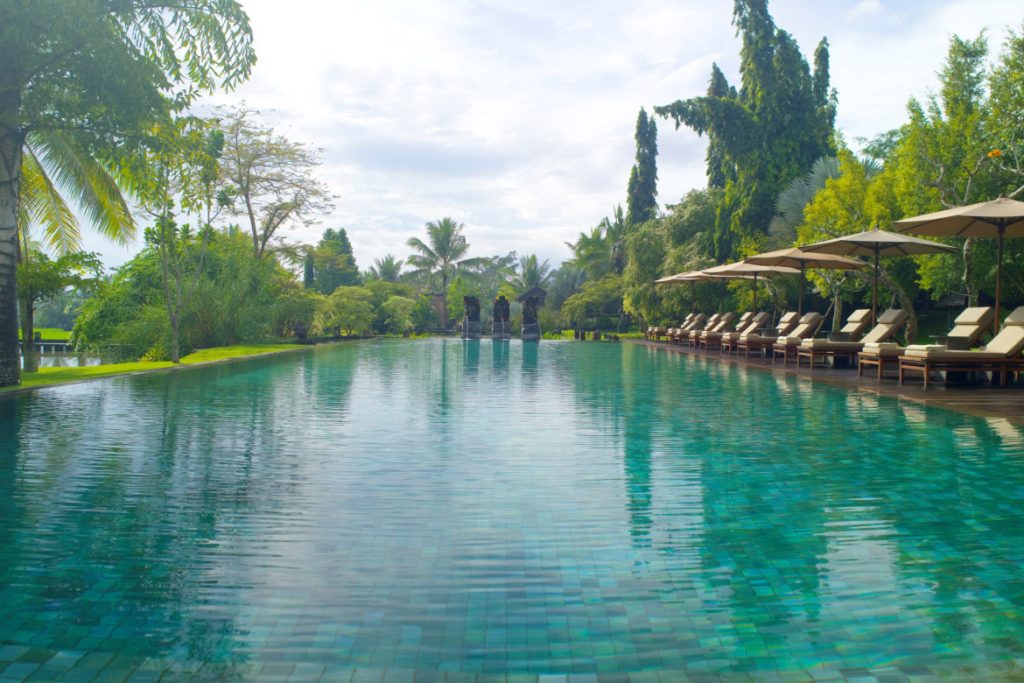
47, 376
51, 333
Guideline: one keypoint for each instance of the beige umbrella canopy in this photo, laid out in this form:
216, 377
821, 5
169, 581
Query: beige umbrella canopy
876, 243
741, 270
996, 219
794, 257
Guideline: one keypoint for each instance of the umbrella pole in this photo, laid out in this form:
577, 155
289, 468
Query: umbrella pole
874, 293
755, 292
999, 275
800, 302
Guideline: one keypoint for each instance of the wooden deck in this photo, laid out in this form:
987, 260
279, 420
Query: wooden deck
979, 399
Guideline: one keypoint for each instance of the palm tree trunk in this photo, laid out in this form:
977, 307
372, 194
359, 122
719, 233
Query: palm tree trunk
28, 335
11, 142
444, 299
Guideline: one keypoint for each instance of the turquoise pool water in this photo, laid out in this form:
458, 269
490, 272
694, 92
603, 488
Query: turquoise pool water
380, 511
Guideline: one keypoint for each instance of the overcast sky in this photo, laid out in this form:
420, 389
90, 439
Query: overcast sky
516, 117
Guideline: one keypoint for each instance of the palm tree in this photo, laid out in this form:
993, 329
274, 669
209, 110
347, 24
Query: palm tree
107, 73
443, 256
56, 173
603, 249
591, 254
388, 268
531, 273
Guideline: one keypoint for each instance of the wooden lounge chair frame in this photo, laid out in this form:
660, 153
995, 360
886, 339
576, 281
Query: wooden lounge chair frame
1002, 360
889, 323
968, 327
755, 342
786, 346
723, 322
730, 340
713, 339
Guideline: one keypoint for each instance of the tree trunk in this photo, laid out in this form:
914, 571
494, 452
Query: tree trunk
444, 299
837, 310
11, 141
906, 303
972, 295
28, 335
175, 339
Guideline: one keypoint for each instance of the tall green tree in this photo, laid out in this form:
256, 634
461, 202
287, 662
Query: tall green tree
441, 256
270, 179
642, 189
334, 265
41, 278
764, 134
106, 71
942, 160
1006, 112
181, 182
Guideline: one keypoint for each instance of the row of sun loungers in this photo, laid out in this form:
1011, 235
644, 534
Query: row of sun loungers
794, 339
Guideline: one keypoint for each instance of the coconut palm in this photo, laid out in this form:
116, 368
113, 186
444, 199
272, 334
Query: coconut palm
387, 268
107, 73
531, 273
443, 256
57, 173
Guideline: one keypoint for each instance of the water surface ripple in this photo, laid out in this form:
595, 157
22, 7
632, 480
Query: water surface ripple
477, 507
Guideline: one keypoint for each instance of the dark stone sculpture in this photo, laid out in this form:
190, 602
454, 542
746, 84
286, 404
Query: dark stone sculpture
471, 321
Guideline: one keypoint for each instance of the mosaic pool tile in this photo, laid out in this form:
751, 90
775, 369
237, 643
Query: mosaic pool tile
469, 512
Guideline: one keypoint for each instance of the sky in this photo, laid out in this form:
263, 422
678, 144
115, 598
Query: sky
516, 117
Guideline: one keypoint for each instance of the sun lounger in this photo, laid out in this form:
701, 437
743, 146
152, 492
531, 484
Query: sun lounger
754, 325
759, 342
1000, 356
679, 335
786, 346
967, 330
888, 325
656, 333
712, 339
722, 324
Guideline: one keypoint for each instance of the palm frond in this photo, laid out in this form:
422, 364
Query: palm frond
86, 182
44, 205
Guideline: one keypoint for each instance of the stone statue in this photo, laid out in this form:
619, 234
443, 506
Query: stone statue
471, 322
530, 311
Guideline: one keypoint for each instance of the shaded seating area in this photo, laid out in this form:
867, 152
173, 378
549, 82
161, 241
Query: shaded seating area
787, 345
655, 333
724, 322
711, 324
1000, 357
712, 339
968, 328
681, 334
756, 324
889, 323
748, 343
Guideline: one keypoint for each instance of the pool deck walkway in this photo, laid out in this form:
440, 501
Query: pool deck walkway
978, 399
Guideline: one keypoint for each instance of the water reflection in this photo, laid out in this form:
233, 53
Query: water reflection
66, 360
582, 508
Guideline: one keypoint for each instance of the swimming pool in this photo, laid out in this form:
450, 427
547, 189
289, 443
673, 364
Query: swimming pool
425, 507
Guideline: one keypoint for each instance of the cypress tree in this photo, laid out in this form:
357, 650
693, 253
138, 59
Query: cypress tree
765, 134
642, 190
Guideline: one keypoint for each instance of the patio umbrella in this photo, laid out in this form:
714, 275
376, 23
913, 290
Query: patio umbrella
691, 276
741, 270
795, 257
877, 243
999, 219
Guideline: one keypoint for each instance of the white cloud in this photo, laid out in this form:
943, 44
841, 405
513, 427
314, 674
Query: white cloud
517, 118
